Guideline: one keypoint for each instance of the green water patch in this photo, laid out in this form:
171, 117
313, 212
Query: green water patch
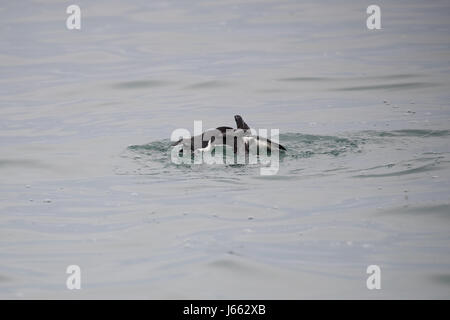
298, 146
306, 145
304, 148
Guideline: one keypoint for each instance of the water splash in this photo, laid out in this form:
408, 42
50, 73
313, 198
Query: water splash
307, 155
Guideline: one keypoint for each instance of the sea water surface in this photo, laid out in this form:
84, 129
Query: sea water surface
85, 172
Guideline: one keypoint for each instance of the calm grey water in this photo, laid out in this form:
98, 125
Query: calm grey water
86, 179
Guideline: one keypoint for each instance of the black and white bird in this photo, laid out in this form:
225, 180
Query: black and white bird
240, 139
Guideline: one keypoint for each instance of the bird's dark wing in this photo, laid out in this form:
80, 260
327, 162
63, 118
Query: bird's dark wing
224, 129
240, 123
